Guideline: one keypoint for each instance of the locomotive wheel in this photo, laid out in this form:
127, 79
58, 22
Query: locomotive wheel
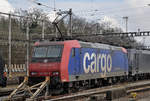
21, 79
3, 82
57, 89
56, 86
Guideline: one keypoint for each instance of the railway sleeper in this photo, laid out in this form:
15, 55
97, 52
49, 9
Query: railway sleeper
116, 93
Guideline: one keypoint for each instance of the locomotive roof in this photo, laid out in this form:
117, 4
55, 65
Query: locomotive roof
98, 45
82, 44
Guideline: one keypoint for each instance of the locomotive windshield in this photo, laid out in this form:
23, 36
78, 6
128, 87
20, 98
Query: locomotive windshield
40, 52
49, 52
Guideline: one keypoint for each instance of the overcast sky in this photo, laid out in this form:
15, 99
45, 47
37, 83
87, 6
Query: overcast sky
137, 10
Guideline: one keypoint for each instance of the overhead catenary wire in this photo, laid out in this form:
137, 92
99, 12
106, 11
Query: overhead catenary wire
98, 12
94, 12
108, 11
42, 4
112, 15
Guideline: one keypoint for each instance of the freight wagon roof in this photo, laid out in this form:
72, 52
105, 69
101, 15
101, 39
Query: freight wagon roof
139, 51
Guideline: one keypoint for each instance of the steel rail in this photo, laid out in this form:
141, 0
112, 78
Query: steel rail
132, 87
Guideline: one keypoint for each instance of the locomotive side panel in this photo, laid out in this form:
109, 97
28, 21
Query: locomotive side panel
68, 45
97, 63
144, 61
74, 62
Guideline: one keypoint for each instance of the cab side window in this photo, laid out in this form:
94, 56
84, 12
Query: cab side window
73, 52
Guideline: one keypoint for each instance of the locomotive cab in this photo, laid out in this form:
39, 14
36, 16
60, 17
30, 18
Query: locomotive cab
46, 60
51, 59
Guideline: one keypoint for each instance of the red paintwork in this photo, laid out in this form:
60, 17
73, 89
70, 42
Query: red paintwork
68, 45
124, 50
44, 69
61, 67
45, 43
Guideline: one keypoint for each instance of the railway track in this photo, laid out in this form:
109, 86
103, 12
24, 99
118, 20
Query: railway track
103, 92
7, 90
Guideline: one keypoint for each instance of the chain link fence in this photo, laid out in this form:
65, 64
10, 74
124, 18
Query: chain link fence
17, 35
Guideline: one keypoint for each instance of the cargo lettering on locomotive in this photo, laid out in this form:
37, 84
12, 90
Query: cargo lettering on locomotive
94, 62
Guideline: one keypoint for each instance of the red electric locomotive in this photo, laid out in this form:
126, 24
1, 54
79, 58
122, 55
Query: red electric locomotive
51, 59
75, 63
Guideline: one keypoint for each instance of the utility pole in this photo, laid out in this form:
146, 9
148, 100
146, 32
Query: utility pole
56, 31
97, 28
139, 31
144, 37
126, 19
28, 46
70, 23
43, 29
54, 5
9, 38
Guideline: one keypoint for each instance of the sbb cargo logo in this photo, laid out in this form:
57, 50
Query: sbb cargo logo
94, 62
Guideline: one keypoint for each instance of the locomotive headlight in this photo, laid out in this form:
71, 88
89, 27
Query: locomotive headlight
33, 73
55, 73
